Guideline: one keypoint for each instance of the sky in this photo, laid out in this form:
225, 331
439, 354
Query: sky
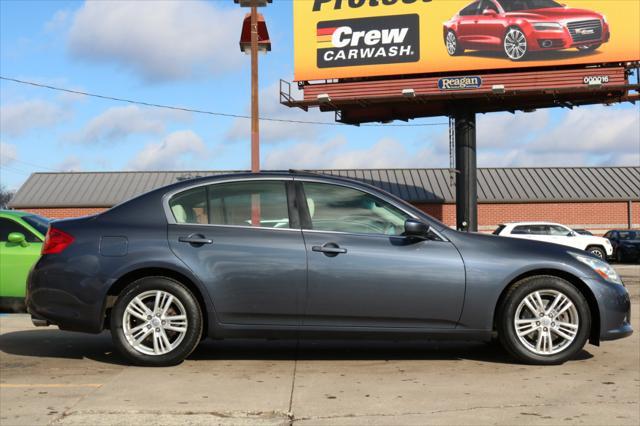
186, 54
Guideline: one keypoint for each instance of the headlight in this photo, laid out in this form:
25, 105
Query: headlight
600, 267
604, 19
547, 26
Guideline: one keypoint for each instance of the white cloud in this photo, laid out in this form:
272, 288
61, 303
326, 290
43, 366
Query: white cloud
8, 153
503, 130
594, 130
58, 21
118, 123
160, 40
304, 155
19, 118
70, 164
334, 154
583, 137
171, 153
279, 131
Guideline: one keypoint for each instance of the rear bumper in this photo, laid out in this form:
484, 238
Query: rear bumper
62, 296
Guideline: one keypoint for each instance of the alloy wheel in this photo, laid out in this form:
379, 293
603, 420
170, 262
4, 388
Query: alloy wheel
546, 322
515, 44
452, 43
597, 252
154, 322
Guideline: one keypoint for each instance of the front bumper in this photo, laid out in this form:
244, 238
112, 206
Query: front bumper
555, 40
614, 306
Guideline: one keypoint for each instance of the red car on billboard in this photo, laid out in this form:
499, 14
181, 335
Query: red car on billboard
518, 27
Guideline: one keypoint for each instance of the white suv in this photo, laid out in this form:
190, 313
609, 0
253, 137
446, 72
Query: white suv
556, 233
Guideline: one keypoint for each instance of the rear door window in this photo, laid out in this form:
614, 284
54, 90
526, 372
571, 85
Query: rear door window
539, 230
558, 231
253, 203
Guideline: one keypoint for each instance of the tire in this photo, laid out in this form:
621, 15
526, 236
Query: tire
597, 251
158, 342
589, 48
530, 347
452, 45
515, 44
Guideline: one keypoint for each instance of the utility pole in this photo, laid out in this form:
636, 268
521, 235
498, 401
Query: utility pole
254, 38
255, 108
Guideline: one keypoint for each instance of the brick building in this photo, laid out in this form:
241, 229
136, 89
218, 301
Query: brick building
594, 198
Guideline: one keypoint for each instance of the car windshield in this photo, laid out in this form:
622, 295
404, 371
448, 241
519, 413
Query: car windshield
629, 235
517, 5
40, 223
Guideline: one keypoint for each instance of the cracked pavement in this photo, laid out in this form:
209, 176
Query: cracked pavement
50, 377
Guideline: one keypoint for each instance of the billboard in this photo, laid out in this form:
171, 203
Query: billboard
366, 38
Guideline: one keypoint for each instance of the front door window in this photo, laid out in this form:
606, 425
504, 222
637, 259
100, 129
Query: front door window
342, 209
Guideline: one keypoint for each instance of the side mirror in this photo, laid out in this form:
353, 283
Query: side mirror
415, 229
489, 12
18, 238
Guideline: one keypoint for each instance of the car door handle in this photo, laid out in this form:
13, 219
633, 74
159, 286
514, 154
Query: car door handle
195, 239
329, 249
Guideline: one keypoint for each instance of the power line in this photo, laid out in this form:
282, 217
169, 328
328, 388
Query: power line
198, 111
38, 166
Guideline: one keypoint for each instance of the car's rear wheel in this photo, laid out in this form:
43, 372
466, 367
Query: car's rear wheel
453, 47
597, 251
544, 320
156, 321
588, 48
515, 44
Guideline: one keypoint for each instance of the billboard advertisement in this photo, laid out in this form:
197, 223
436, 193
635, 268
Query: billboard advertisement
366, 38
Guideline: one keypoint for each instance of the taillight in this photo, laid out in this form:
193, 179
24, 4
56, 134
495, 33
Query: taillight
56, 241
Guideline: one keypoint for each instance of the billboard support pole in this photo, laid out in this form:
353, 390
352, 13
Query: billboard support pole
466, 167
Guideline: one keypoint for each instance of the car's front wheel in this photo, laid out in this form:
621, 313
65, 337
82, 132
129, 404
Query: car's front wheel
156, 321
597, 251
515, 44
544, 320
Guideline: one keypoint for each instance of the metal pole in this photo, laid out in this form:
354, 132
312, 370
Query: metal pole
255, 122
630, 213
466, 176
255, 111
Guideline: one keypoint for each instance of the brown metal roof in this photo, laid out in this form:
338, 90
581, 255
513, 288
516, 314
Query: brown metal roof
495, 185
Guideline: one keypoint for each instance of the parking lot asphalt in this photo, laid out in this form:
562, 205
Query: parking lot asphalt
48, 376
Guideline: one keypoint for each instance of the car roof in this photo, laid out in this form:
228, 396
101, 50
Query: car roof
292, 173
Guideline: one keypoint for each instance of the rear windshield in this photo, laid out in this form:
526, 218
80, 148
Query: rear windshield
517, 5
40, 223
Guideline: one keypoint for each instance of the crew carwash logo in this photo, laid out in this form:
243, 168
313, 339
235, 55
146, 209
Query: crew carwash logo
369, 41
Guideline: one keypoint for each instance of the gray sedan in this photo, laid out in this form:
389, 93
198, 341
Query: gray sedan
295, 255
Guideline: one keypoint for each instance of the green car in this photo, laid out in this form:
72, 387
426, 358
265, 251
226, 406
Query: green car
21, 238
